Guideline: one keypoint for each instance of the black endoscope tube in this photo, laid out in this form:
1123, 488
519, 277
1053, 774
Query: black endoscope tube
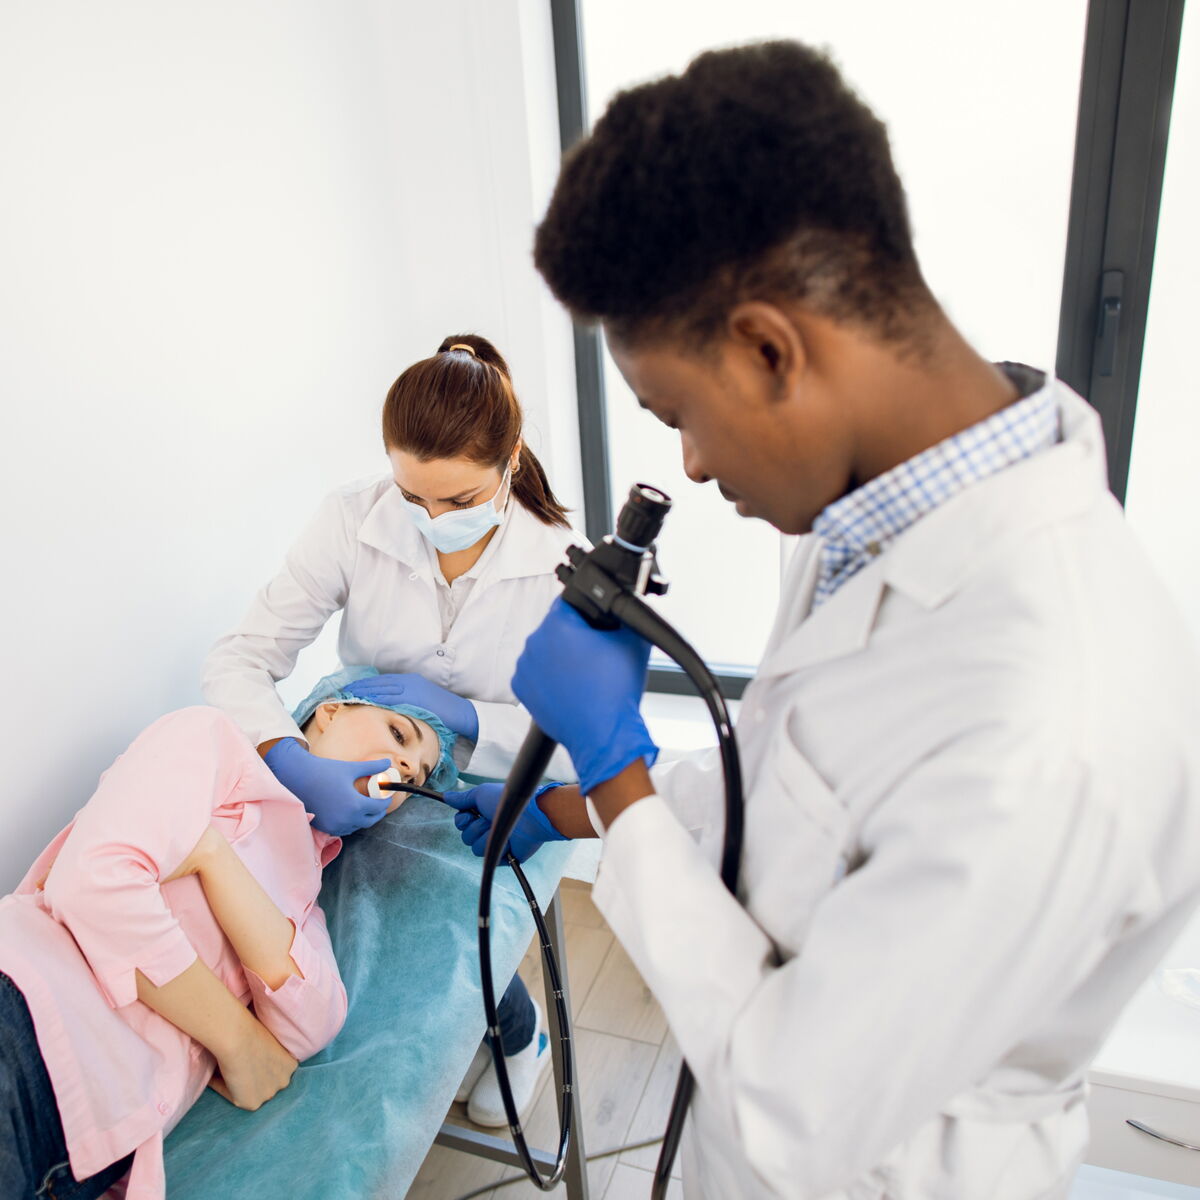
641, 618
528, 769
530, 766
637, 527
536, 748
413, 789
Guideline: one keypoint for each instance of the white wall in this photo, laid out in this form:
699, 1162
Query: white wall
224, 229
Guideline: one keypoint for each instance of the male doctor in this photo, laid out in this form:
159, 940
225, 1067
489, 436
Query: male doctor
973, 786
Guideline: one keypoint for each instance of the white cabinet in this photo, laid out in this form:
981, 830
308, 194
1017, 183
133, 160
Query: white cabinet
1149, 1071
1118, 1145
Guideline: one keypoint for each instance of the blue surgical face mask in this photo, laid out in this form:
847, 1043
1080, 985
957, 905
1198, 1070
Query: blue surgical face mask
463, 527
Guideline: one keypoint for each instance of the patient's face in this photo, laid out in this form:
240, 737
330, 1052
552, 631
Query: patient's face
361, 732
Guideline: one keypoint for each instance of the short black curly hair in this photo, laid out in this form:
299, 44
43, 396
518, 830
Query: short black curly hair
756, 174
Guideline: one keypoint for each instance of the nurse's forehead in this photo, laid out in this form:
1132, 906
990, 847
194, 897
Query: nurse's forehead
440, 478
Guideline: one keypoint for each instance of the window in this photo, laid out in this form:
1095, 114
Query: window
1008, 175
1160, 503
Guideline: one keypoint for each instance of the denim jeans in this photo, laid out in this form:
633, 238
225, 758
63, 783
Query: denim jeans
516, 1016
33, 1151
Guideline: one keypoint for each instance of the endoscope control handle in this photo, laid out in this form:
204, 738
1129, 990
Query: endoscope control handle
622, 563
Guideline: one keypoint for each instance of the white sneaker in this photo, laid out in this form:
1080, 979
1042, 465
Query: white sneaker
525, 1070
481, 1062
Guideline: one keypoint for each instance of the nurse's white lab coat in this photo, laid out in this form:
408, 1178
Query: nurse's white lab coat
991, 729
362, 554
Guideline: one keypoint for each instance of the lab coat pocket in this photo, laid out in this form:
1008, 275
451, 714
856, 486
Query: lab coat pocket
797, 831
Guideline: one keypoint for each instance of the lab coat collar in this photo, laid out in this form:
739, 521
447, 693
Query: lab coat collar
838, 627
527, 546
938, 554
387, 527
942, 551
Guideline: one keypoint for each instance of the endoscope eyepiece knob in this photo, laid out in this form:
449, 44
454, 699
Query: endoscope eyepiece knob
641, 517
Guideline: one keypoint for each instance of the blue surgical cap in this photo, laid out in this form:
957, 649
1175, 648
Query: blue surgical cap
442, 778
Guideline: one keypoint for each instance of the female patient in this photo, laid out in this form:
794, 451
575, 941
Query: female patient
168, 939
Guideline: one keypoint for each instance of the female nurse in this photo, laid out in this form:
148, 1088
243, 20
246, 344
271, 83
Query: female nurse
441, 568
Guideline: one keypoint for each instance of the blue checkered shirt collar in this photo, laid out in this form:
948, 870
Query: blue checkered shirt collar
861, 525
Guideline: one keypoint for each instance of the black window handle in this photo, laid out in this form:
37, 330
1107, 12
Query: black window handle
1111, 288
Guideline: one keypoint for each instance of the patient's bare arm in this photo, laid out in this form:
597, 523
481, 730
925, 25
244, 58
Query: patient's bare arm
260, 934
252, 1066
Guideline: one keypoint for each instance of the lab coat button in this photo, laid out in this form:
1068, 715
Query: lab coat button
164, 1107
413, 575
441, 654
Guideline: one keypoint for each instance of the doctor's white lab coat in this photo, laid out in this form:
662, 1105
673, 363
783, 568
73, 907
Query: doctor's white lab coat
972, 829
362, 554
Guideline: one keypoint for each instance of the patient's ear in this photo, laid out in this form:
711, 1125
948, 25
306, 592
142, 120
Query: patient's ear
323, 715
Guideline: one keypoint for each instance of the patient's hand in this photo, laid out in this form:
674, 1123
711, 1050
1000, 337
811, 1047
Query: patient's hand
254, 1070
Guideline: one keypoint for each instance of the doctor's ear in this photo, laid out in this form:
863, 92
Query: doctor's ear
771, 342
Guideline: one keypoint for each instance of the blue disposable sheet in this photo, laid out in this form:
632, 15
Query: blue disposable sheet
357, 1119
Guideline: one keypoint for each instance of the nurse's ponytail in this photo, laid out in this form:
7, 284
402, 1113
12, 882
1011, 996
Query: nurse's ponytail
460, 404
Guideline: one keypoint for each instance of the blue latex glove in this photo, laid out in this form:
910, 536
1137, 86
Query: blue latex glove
583, 686
325, 786
476, 808
456, 712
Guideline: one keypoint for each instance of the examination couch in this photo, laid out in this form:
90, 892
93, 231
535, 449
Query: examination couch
358, 1119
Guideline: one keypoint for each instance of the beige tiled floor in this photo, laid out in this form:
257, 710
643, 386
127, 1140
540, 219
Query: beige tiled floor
627, 1067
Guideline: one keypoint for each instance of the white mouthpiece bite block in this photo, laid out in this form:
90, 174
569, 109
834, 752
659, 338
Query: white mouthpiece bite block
391, 775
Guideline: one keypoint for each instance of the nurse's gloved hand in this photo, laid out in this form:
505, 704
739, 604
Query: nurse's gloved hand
454, 711
476, 808
325, 786
583, 687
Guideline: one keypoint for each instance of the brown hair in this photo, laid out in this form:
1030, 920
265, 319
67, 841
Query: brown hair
460, 404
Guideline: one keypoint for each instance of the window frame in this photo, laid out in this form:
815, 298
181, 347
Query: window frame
1130, 56
1131, 53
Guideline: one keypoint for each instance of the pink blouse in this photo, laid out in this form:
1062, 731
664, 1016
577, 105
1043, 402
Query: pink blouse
123, 1076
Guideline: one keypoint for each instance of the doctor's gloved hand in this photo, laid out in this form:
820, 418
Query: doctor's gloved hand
453, 710
325, 786
476, 808
583, 687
